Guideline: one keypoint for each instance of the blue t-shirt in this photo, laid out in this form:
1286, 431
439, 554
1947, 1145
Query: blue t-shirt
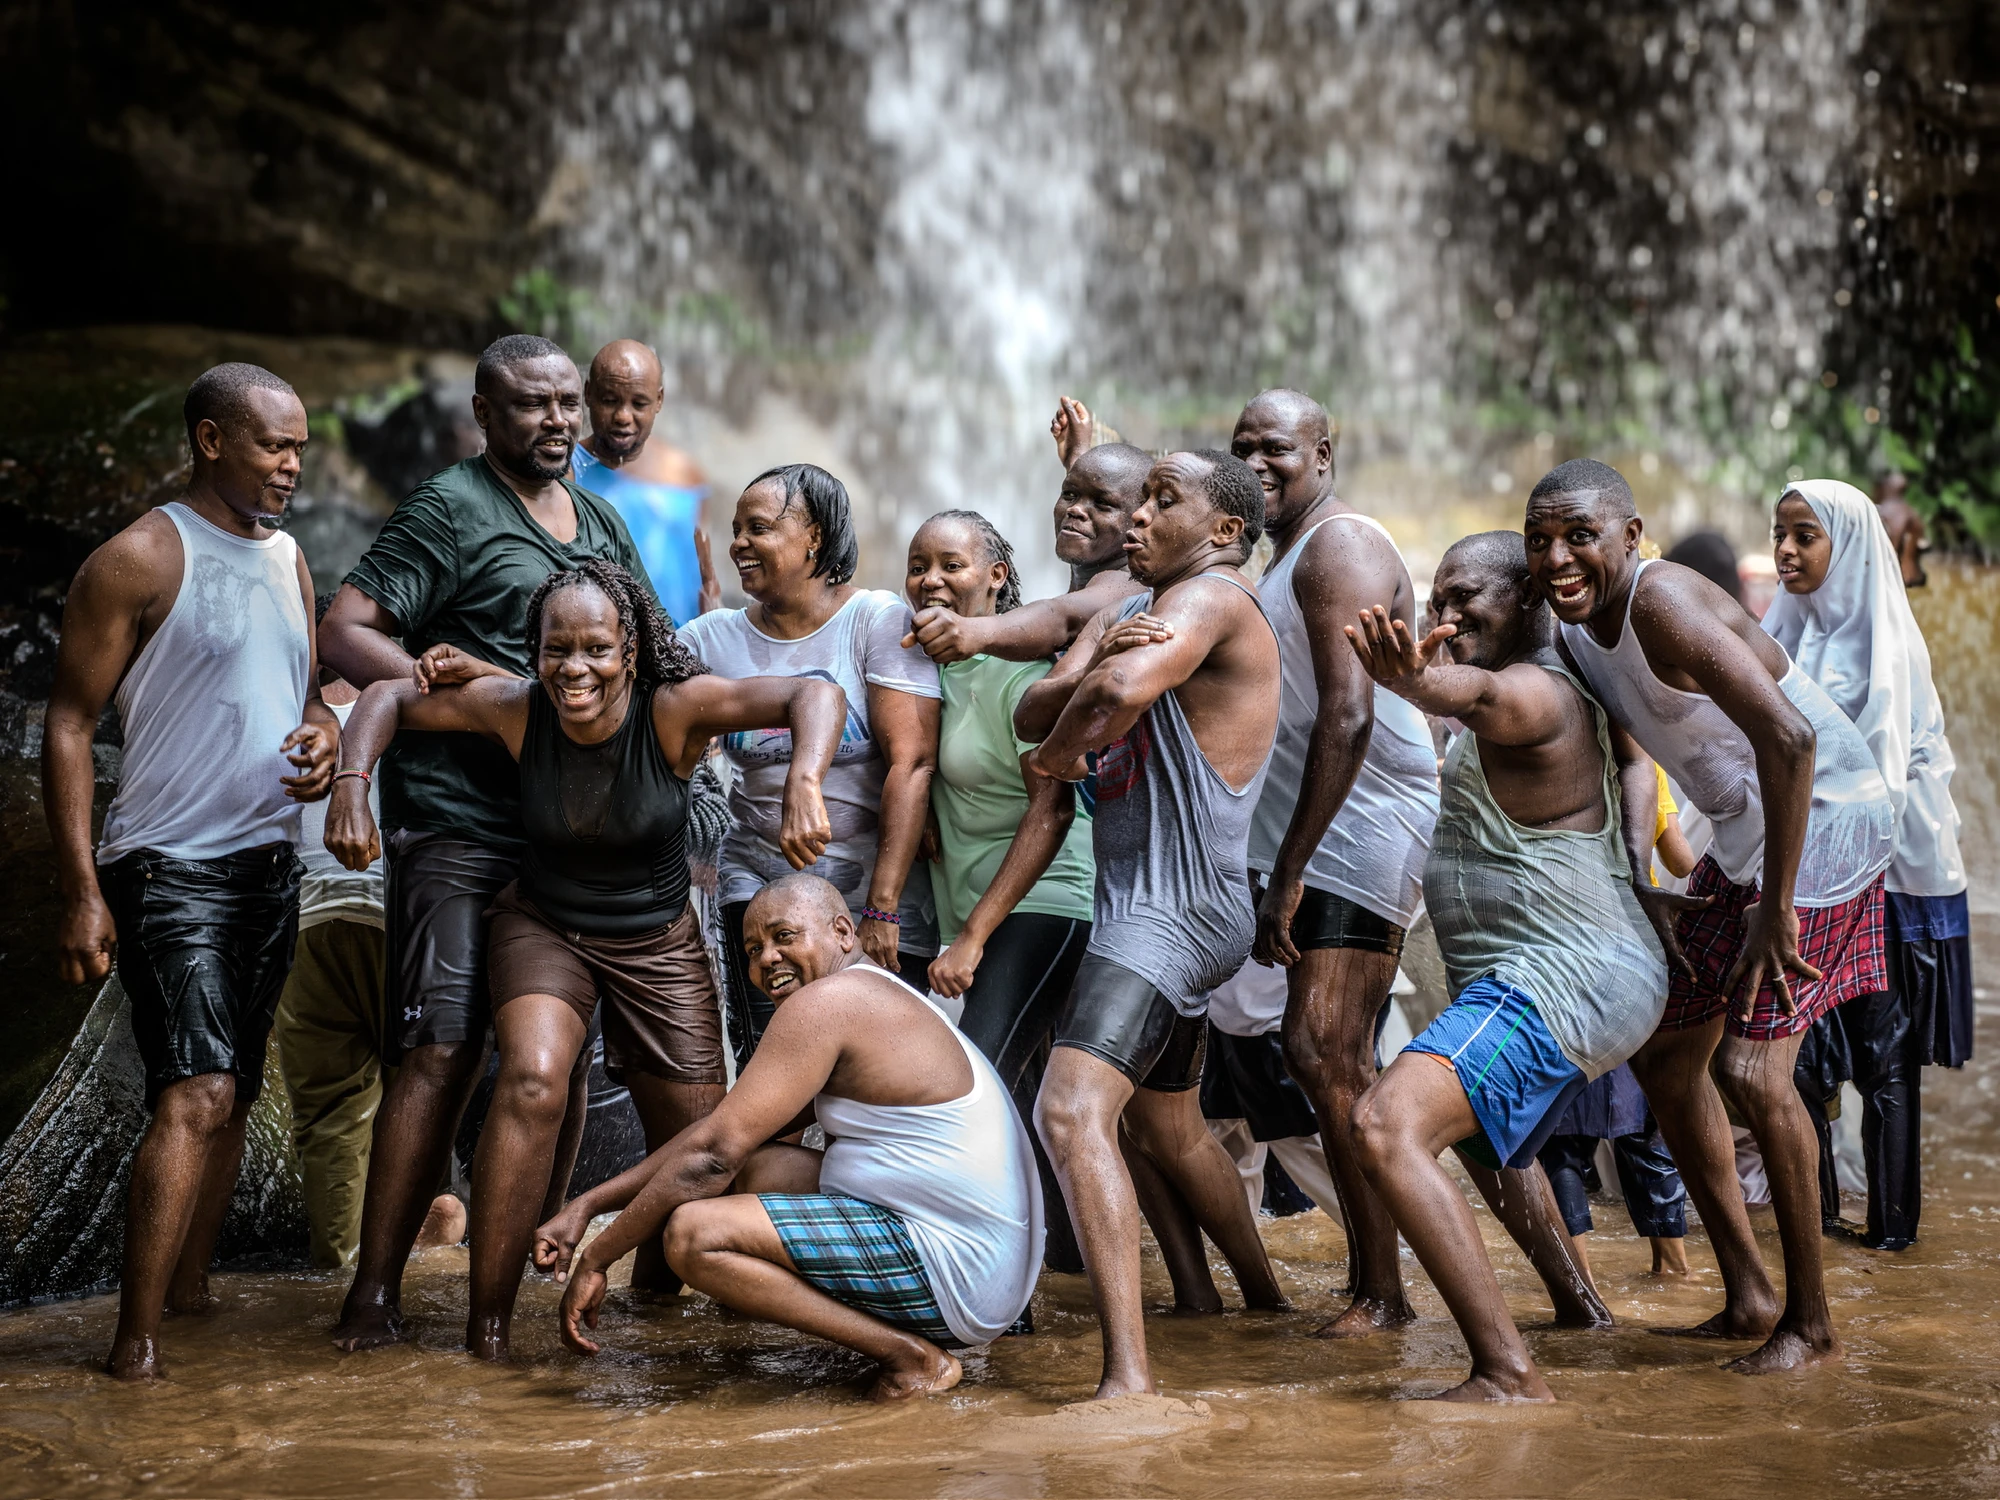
661, 518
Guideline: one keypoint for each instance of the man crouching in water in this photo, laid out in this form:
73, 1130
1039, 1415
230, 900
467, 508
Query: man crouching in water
918, 1231
1555, 972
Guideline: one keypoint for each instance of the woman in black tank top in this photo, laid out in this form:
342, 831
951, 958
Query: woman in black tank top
618, 718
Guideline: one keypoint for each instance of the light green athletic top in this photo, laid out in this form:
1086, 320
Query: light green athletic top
980, 799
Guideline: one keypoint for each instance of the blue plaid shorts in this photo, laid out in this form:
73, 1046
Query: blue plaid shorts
861, 1255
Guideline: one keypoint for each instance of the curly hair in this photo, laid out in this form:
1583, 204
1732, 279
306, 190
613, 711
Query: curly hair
998, 550
651, 646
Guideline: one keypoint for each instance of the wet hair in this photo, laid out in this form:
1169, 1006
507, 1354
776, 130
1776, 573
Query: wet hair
1587, 476
1709, 554
823, 895
998, 550
1507, 552
1126, 467
506, 352
826, 505
1234, 489
219, 395
651, 645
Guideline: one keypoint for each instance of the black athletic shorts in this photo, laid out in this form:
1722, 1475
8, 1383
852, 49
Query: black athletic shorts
1325, 920
1115, 1015
436, 893
204, 946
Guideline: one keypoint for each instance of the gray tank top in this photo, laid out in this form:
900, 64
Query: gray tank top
1170, 835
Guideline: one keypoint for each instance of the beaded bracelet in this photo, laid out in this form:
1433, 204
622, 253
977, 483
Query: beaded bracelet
870, 914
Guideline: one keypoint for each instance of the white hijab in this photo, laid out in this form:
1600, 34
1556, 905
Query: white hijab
1855, 636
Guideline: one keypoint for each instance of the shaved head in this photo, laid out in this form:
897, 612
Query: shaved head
1119, 467
1499, 551
628, 358
1306, 418
796, 930
797, 895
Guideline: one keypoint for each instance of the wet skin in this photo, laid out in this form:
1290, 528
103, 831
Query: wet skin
585, 665
1332, 995
1800, 546
1582, 557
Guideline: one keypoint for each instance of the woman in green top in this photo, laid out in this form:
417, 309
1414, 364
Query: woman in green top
1013, 874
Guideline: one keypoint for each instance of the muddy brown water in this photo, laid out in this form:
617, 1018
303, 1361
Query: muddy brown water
691, 1397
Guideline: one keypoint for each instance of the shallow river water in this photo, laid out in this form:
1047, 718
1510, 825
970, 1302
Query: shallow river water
690, 1397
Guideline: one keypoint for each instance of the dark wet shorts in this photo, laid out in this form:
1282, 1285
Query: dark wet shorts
1325, 920
661, 1013
436, 896
204, 946
1115, 1015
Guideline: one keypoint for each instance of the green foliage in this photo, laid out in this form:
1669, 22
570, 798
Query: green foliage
1950, 446
539, 303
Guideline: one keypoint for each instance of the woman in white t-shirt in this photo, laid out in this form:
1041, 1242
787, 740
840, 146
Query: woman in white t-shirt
793, 544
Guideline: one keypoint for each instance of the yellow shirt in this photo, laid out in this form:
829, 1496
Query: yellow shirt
1667, 808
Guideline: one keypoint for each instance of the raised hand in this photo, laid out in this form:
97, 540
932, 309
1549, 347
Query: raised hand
1389, 652
710, 597
1072, 428
312, 748
946, 636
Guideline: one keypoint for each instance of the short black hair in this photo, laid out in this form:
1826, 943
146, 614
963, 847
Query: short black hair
1498, 549
1583, 476
217, 394
827, 507
1233, 488
508, 351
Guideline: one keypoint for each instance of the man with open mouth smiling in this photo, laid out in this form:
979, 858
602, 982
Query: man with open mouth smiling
1787, 909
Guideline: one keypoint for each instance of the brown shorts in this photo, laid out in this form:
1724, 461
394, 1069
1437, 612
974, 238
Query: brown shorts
661, 1014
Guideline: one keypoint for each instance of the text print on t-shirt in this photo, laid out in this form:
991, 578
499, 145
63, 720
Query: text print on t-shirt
770, 747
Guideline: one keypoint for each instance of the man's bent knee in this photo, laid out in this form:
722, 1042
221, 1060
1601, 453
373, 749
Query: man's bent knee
203, 1103
1374, 1134
693, 1230
441, 1065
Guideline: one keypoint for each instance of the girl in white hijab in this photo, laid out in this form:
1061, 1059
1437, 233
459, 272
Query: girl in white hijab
1846, 621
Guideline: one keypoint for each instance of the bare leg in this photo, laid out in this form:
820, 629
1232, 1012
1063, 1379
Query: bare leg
188, 1291
421, 1105
168, 1177
1673, 1070
539, 1037
1670, 1256
665, 1109
728, 1248
1525, 1203
1411, 1114
1334, 997
1077, 1114
1174, 1231
1168, 1127
569, 1141
1759, 1078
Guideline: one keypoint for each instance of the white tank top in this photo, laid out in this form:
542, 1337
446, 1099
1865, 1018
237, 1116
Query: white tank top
1851, 830
209, 701
961, 1175
1373, 851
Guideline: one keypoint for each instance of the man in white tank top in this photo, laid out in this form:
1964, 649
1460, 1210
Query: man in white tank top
199, 616
1783, 917
918, 1230
1340, 832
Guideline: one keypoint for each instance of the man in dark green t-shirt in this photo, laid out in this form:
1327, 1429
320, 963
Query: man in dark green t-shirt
455, 564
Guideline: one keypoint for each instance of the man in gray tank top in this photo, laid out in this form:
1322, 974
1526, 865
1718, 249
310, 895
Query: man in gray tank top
199, 615
1179, 706
1341, 829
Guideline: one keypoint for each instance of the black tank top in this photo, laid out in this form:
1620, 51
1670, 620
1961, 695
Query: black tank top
606, 824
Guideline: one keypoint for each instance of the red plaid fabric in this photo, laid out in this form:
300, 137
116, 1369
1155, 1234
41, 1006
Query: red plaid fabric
1843, 942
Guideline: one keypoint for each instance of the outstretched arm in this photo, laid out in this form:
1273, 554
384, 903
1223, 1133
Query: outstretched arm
1518, 705
687, 715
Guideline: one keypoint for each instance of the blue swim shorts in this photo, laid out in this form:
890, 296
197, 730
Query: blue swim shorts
862, 1255
1514, 1074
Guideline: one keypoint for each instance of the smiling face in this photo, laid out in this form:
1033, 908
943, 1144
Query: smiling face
1094, 509
252, 457
1176, 521
1285, 442
1485, 603
795, 931
1581, 553
531, 417
1800, 546
950, 568
623, 395
769, 541
584, 662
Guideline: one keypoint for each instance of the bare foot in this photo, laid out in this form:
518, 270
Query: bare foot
935, 1371
1787, 1350
444, 1224
1366, 1316
1670, 1257
1730, 1323
135, 1359
368, 1325
1528, 1387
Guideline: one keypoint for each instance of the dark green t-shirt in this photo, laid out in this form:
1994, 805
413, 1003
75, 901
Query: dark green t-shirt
456, 564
